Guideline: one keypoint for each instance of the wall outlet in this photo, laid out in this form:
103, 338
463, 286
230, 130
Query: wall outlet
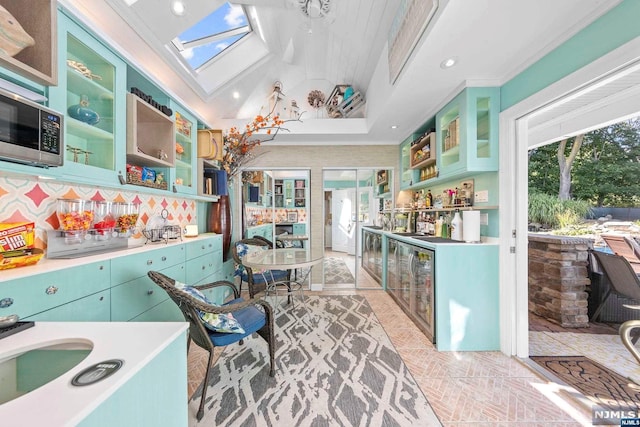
484, 219
481, 196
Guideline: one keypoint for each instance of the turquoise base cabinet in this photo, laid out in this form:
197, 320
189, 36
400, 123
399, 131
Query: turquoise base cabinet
466, 293
135, 404
117, 288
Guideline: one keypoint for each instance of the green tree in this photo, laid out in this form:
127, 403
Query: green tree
606, 170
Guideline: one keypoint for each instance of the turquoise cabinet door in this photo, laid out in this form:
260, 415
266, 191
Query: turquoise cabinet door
93, 101
31, 295
183, 175
467, 132
166, 311
407, 175
135, 266
201, 267
94, 308
288, 194
299, 228
133, 298
202, 247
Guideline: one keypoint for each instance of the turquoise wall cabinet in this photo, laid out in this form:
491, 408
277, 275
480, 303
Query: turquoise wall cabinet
467, 133
91, 95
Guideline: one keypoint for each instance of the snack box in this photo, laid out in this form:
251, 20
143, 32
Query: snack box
32, 256
16, 235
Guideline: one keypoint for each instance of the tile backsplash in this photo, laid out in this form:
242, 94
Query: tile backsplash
34, 200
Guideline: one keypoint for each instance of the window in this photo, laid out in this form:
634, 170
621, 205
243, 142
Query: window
204, 41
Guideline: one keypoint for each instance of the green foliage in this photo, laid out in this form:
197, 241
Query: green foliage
551, 212
605, 172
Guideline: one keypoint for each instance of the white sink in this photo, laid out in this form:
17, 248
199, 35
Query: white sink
29, 368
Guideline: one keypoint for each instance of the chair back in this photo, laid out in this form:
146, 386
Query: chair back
623, 246
187, 305
622, 277
254, 241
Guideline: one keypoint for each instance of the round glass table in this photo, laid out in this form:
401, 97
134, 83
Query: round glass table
264, 261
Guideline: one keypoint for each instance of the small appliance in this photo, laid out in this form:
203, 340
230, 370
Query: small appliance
190, 230
29, 132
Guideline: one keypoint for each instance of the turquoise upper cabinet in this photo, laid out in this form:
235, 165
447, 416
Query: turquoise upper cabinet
183, 178
407, 175
467, 133
91, 94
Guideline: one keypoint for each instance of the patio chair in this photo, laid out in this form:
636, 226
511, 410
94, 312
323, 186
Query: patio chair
256, 281
623, 281
252, 316
626, 247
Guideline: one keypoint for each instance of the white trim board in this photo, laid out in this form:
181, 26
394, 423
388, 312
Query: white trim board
516, 137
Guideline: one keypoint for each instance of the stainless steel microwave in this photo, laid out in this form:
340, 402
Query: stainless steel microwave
29, 133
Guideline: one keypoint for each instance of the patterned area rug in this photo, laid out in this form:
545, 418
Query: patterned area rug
336, 272
335, 367
599, 384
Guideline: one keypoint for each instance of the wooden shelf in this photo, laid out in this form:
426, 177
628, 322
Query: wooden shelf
149, 132
40, 61
423, 153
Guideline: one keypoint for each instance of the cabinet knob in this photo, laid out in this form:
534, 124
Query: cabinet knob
164, 258
150, 292
101, 298
6, 302
149, 262
51, 290
203, 267
202, 247
102, 267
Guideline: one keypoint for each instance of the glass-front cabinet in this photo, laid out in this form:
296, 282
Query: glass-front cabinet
407, 175
372, 254
91, 95
467, 132
185, 147
411, 280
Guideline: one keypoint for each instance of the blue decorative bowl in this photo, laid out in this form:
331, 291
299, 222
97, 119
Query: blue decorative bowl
83, 113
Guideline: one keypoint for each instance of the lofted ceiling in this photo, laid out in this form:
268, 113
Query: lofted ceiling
493, 40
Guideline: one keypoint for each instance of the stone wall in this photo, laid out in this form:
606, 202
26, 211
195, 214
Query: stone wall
558, 279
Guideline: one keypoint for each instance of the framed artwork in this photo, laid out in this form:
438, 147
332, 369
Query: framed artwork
292, 216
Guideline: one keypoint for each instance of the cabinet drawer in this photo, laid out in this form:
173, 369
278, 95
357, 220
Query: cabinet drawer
130, 299
166, 311
35, 294
134, 266
94, 308
202, 247
202, 267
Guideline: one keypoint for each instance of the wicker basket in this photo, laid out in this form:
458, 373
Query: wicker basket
131, 179
164, 234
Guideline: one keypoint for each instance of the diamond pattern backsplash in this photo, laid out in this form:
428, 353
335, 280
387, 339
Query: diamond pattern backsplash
36, 201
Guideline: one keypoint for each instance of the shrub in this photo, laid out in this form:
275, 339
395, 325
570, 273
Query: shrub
551, 212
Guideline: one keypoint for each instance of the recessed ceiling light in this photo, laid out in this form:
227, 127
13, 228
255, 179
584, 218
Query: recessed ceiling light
449, 62
177, 7
394, 126
235, 95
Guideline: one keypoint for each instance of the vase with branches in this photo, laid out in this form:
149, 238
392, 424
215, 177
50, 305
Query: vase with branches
240, 143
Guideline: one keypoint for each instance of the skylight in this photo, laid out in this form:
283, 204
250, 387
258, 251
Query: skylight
204, 41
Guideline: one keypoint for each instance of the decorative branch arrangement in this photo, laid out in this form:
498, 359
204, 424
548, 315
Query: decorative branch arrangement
239, 145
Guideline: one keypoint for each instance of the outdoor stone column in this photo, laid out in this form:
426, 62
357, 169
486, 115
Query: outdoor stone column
558, 279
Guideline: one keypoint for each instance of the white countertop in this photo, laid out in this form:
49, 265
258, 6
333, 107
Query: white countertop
58, 403
47, 265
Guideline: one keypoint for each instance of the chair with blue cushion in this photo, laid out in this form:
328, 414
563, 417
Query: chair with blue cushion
212, 325
256, 281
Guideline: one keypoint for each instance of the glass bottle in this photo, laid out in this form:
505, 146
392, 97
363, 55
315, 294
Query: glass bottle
456, 226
